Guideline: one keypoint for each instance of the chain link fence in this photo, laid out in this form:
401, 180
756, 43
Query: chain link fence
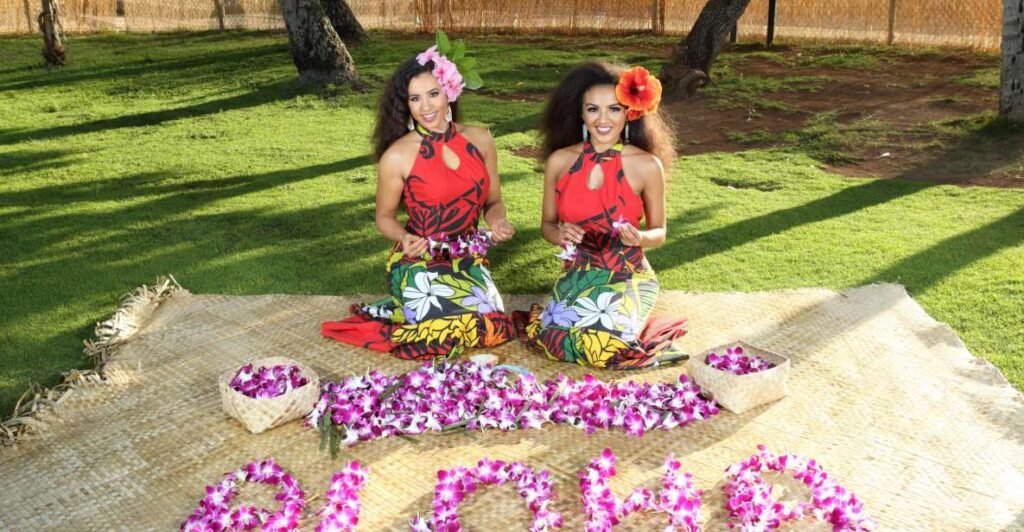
959, 23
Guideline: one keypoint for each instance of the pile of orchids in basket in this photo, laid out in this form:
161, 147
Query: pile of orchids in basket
267, 381
735, 362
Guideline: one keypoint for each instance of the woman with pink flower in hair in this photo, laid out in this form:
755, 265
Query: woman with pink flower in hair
606, 148
441, 296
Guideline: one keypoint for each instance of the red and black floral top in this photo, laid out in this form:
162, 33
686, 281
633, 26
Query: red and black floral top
597, 210
441, 200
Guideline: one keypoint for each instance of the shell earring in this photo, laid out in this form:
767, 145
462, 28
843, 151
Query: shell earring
448, 114
585, 133
627, 132
410, 125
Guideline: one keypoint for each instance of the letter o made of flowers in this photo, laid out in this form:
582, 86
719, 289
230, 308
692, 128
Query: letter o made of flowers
750, 505
453, 485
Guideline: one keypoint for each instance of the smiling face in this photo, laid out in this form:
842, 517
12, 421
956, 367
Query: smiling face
603, 115
428, 102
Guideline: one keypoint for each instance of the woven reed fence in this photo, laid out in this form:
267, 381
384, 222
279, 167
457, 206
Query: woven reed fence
962, 23
78, 16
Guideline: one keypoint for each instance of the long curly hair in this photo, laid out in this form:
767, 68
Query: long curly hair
393, 111
562, 123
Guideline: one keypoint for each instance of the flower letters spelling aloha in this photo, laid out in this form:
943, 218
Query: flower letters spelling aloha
749, 501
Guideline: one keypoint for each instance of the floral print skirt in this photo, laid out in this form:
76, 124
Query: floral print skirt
600, 317
434, 308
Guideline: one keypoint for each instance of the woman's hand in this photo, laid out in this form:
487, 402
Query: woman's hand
629, 235
570, 233
501, 230
414, 246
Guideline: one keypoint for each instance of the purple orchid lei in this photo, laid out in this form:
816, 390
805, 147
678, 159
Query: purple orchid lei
678, 497
453, 485
475, 243
214, 511
568, 252
340, 512
735, 362
267, 382
449, 396
619, 224
748, 497
751, 507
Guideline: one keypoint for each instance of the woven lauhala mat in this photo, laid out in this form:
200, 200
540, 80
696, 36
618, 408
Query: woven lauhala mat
887, 399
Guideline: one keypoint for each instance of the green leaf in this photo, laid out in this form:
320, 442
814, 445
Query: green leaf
579, 282
569, 349
335, 444
399, 278
443, 44
323, 425
473, 80
458, 52
468, 64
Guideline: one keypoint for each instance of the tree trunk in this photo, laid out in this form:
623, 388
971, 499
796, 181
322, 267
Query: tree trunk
690, 66
344, 21
318, 52
1011, 101
50, 26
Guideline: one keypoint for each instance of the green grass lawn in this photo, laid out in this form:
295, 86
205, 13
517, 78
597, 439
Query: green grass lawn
197, 155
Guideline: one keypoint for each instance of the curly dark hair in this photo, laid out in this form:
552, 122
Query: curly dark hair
562, 121
393, 111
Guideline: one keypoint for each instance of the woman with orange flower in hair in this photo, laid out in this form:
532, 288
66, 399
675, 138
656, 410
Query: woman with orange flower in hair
441, 295
606, 149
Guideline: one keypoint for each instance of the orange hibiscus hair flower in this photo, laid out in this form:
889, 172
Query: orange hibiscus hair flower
639, 91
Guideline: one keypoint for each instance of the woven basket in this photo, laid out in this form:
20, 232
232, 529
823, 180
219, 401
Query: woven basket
739, 393
261, 414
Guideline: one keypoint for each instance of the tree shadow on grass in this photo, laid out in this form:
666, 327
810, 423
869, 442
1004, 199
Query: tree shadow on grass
249, 250
188, 194
78, 257
265, 94
223, 62
846, 201
918, 272
24, 161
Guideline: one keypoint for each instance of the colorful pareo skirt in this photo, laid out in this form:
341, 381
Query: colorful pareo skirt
598, 317
436, 308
